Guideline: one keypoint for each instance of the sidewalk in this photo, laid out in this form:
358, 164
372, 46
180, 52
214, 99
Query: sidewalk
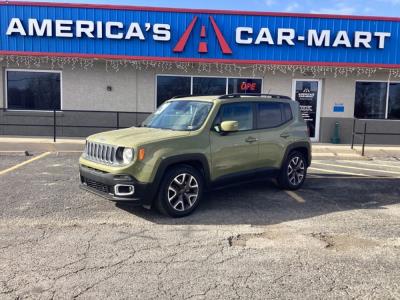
40, 144
11, 144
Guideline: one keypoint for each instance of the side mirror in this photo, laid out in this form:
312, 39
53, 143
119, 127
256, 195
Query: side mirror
229, 126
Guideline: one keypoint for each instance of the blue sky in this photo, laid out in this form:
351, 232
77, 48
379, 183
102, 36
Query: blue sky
352, 7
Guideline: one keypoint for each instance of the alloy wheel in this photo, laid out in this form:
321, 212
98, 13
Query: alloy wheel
296, 171
183, 192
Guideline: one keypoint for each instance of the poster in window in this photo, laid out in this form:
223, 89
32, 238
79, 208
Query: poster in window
307, 96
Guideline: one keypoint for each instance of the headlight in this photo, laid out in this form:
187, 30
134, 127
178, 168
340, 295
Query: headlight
127, 155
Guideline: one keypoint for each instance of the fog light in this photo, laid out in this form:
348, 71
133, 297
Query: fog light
124, 190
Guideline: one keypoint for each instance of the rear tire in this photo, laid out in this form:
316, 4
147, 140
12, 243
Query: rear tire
293, 172
180, 192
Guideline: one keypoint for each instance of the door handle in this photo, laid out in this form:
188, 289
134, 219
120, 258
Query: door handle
285, 135
251, 139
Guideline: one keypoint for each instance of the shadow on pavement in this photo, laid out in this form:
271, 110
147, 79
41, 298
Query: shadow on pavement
261, 203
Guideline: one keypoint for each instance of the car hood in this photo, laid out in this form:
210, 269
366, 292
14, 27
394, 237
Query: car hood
135, 136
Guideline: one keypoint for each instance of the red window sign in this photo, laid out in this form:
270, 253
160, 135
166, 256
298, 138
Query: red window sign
248, 86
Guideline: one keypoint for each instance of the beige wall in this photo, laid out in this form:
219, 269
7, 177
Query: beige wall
87, 89
342, 90
135, 90
132, 90
278, 84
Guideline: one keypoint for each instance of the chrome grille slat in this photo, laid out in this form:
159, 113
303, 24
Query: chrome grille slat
101, 153
95, 151
108, 156
98, 152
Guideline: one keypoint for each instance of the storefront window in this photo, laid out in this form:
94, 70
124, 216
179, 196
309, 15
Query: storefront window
394, 101
172, 86
244, 86
169, 86
33, 90
370, 100
203, 86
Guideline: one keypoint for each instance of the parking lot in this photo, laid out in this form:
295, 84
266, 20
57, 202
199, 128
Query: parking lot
338, 237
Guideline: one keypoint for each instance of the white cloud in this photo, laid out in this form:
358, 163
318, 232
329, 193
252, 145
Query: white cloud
292, 7
368, 10
341, 8
394, 2
270, 2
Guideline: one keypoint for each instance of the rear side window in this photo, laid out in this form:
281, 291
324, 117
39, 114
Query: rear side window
273, 114
287, 112
240, 112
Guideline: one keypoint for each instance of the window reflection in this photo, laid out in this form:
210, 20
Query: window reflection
33, 90
370, 100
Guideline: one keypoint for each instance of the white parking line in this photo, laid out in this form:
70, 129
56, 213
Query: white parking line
353, 177
370, 163
356, 168
339, 172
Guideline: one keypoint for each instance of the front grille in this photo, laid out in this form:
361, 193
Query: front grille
101, 153
101, 187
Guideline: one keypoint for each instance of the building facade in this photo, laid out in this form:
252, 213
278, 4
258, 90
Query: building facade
87, 64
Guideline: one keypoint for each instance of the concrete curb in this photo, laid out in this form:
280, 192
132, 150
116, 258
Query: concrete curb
32, 144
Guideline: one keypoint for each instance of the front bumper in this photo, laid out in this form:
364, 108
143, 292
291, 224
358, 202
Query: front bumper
103, 184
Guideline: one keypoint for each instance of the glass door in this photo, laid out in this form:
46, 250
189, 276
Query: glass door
308, 94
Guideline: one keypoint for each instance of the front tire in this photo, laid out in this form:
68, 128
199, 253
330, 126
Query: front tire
180, 192
293, 172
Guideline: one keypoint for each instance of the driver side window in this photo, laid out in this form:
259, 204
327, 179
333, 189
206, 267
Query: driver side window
240, 112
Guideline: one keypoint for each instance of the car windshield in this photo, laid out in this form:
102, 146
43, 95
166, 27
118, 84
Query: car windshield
179, 115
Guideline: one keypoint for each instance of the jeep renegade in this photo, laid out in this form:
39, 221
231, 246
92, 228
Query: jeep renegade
192, 144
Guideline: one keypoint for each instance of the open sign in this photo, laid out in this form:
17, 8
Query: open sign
248, 86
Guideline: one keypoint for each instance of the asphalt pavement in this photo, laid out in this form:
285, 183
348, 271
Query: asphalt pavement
337, 237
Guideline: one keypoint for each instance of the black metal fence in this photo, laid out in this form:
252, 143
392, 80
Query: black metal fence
77, 122
364, 133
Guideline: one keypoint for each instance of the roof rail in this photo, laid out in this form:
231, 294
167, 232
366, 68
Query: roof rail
269, 96
181, 96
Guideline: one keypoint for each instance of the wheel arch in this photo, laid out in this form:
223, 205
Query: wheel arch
302, 147
197, 161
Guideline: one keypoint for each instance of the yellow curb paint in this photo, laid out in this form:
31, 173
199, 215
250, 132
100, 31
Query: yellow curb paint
24, 163
296, 197
356, 168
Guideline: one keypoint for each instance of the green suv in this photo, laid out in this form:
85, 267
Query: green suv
193, 144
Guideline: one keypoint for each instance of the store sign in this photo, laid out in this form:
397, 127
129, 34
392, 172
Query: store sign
162, 32
88, 29
197, 35
248, 86
313, 38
